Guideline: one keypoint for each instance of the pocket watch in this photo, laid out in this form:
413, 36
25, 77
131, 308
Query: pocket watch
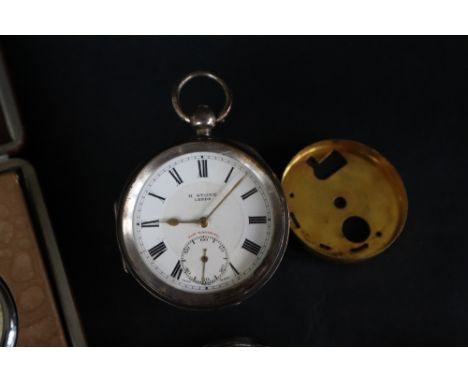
8, 317
203, 224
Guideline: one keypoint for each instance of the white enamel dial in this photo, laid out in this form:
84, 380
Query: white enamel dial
203, 222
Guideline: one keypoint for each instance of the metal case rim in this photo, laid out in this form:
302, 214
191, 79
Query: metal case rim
9, 331
230, 296
13, 121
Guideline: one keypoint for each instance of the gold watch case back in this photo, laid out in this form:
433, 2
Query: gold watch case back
346, 201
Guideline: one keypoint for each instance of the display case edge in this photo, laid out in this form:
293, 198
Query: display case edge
67, 306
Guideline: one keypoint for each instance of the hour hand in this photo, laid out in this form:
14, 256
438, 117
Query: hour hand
175, 221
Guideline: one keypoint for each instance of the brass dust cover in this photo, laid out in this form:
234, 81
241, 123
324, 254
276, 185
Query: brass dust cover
346, 201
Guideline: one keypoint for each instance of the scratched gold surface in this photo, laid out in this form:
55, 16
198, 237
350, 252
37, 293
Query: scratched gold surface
371, 186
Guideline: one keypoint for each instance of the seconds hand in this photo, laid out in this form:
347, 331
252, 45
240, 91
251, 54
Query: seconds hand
212, 207
204, 259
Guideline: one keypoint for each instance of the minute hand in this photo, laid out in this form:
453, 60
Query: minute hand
221, 197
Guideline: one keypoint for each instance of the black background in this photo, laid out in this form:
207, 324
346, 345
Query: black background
96, 107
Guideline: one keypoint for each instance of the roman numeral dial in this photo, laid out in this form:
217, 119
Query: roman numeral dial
251, 247
157, 250
203, 168
234, 270
176, 176
229, 175
257, 219
249, 193
157, 196
151, 223
204, 222
177, 271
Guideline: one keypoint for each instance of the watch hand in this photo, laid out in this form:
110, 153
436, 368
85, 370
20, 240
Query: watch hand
221, 197
175, 221
204, 259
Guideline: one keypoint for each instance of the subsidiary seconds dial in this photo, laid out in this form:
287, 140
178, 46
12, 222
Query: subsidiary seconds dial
204, 260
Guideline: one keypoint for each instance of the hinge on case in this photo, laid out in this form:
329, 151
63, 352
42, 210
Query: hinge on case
124, 263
